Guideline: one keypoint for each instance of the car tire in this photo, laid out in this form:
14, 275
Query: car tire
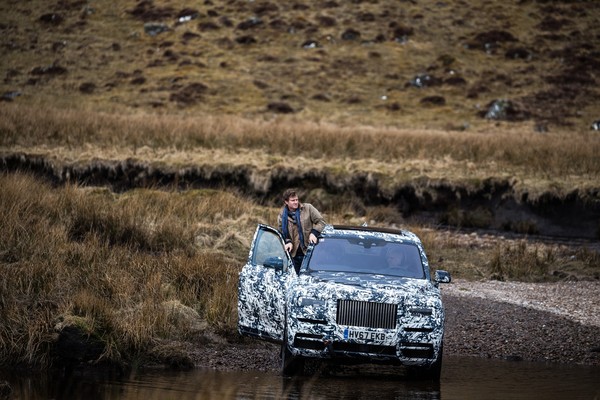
434, 372
290, 364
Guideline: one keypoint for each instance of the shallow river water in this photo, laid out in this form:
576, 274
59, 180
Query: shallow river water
462, 378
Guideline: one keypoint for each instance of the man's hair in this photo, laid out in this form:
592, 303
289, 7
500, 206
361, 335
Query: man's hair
289, 193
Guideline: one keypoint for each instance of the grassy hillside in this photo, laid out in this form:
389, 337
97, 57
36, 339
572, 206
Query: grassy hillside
414, 64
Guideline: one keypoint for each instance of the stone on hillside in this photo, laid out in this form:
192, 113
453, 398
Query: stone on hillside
504, 110
401, 33
155, 28
425, 80
186, 15
310, 44
10, 96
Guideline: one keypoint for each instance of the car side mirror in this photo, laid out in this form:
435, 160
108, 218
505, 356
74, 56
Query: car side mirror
442, 276
274, 262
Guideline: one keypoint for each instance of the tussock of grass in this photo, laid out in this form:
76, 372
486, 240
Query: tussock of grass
517, 262
134, 269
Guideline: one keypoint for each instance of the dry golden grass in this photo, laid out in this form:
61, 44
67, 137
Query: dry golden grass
135, 268
569, 160
112, 261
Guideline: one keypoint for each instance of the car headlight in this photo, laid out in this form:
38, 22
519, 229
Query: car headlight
421, 311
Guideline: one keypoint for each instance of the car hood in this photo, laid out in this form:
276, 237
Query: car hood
364, 287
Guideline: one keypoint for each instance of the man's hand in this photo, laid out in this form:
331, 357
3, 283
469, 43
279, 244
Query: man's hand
312, 238
288, 247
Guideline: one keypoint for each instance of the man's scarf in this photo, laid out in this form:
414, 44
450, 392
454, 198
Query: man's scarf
284, 224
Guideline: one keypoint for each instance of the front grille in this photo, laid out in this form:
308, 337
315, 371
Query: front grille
367, 314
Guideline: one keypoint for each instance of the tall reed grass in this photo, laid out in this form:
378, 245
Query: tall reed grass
113, 262
552, 155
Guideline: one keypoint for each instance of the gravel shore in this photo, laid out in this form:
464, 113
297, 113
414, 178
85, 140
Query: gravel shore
547, 322
541, 322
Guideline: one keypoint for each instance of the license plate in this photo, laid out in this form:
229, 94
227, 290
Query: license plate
358, 334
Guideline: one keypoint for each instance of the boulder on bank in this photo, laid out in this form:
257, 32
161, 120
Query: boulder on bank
75, 341
5, 390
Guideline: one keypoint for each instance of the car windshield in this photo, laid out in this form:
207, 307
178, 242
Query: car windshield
367, 256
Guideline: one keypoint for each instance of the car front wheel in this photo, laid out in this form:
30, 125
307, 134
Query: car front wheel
290, 364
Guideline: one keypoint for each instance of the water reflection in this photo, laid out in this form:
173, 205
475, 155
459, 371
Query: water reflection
462, 378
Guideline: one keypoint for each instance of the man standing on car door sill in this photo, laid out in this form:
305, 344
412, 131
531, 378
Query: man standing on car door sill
300, 224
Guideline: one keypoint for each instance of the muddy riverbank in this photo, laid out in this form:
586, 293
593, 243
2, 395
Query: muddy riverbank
549, 322
500, 203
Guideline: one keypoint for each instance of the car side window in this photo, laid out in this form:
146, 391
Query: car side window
268, 245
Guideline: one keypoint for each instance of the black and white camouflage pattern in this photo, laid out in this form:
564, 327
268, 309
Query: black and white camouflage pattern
273, 300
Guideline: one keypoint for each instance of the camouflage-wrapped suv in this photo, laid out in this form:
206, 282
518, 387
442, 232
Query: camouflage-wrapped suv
362, 295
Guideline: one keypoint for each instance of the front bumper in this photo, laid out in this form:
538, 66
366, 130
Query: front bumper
397, 346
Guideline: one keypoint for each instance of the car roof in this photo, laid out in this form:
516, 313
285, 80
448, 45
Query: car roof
374, 231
